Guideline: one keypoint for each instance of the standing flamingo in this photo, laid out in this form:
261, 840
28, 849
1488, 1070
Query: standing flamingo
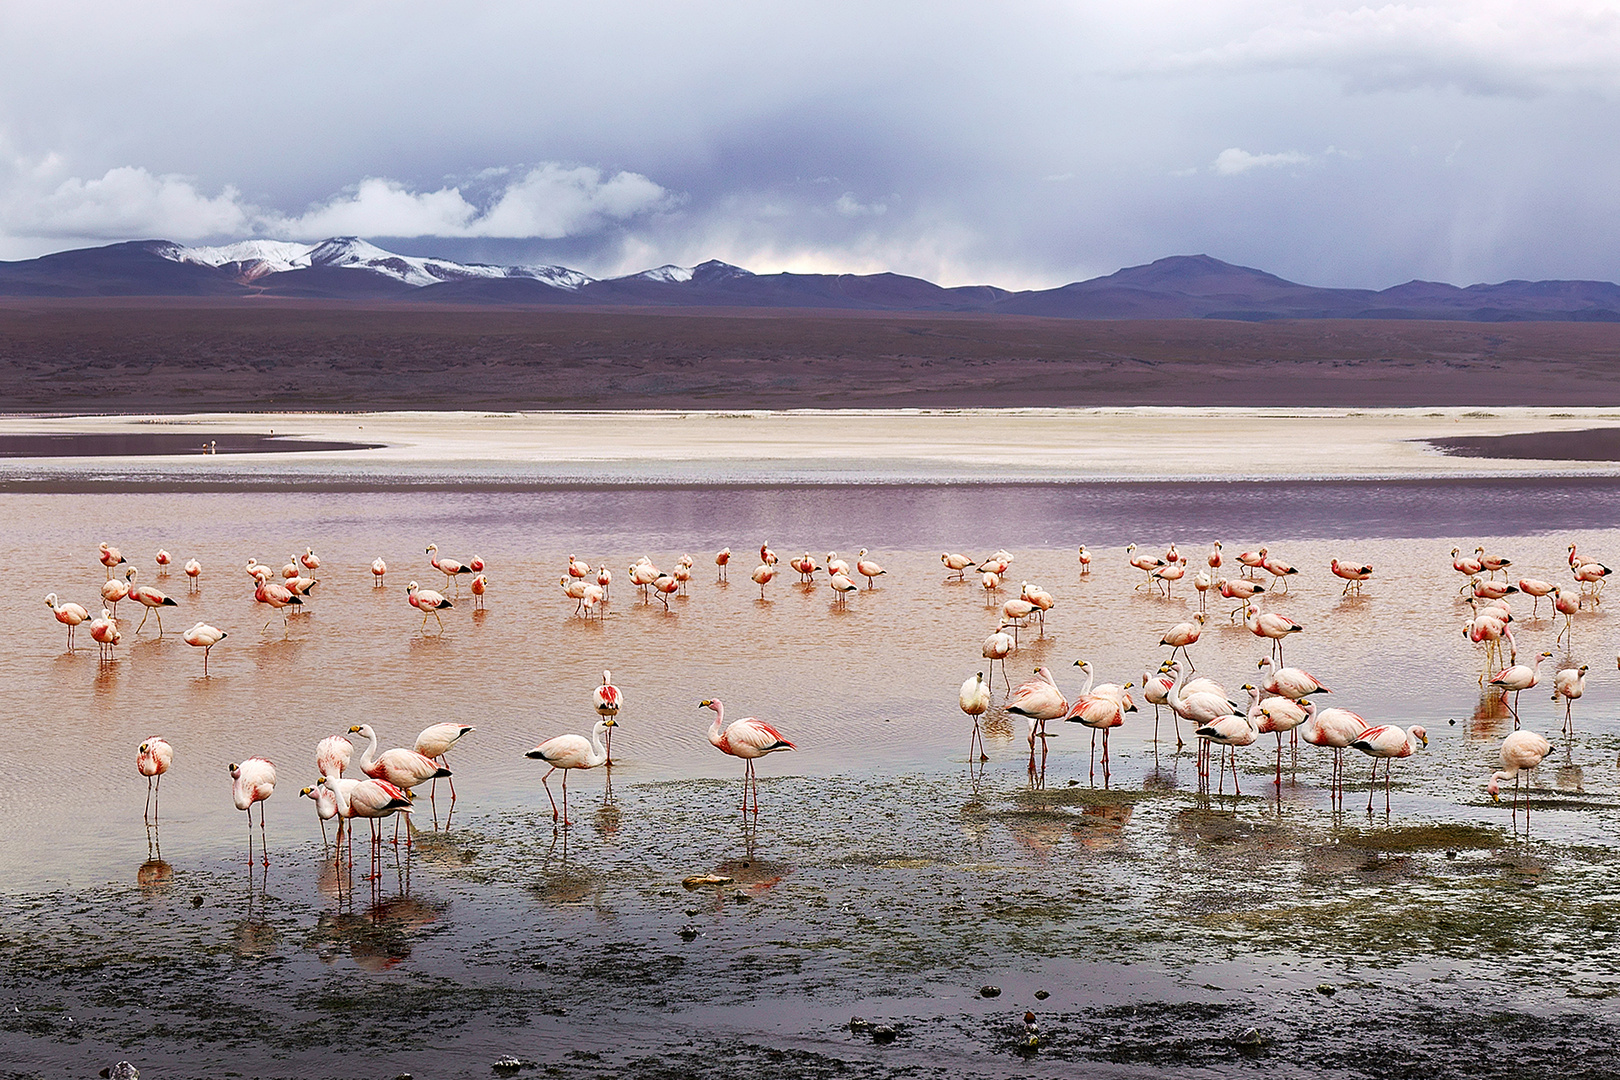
163, 560
607, 700
1535, 588
254, 781
111, 557
435, 741
1332, 729
957, 564
1518, 679
1085, 561
998, 646
974, 698
569, 752
1387, 742
450, 568
1156, 692
1100, 710
152, 760
69, 615
112, 591
149, 598
1271, 624
480, 585
428, 603
867, 568
762, 575
1289, 682
193, 572
1569, 684
1183, 634
1278, 714
1521, 751
105, 633
378, 569
748, 738
326, 808
1353, 575
721, 559
309, 560
204, 637
1041, 700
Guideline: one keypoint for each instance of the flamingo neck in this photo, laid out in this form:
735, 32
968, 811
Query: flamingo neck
715, 737
369, 758
1091, 677
597, 755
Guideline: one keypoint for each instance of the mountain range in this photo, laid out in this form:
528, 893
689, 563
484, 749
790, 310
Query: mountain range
1179, 287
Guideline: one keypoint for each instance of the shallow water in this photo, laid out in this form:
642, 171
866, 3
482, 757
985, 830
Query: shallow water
887, 877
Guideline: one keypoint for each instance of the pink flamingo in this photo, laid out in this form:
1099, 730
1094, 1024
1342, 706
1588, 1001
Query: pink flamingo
867, 568
1279, 714
480, 585
607, 700
1518, 679
1156, 692
998, 646
722, 558
569, 752
69, 615
152, 760
163, 561
435, 741
378, 569
748, 738
1569, 684
1386, 743
1290, 682
204, 637
957, 564
111, 557
1241, 591
1535, 588
1273, 625
1183, 634
974, 698
193, 572
114, 590
309, 560
149, 598
1277, 569
254, 781
1251, 561
105, 633
604, 578
1332, 729
1352, 575
450, 568
276, 598
1214, 556
762, 575
1041, 700
428, 603
1085, 561
1521, 751
1101, 711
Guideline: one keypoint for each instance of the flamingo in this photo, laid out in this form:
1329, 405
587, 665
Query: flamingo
569, 752
110, 557
1535, 588
1018, 609
577, 568
1352, 574
476, 564
574, 589
867, 568
276, 598
1574, 559
1521, 751
767, 556
1085, 561
1469, 568
1241, 591
428, 603
1156, 692
1183, 634
1041, 700
400, 767
114, 590
1232, 730
591, 602
762, 575
643, 573
1251, 561
69, 615
1567, 608
1591, 574
1169, 574
974, 697
435, 741
309, 560
254, 781
1203, 582
450, 568
806, 566
683, 573
998, 646
149, 598
997, 563
1332, 729
721, 558
1278, 714
1277, 569
665, 585
1201, 705
1491, 564
1493, 590
990, 582
1273, 625
332, 756
607, 700
748, 738
604, 578
378, 569
1387, 742
163, 560
1145, 563
1100, 710
835, 565
152, 760
843, 585
1518, 679
1569, 684
1042, 600
370, 799
193, 572
326, 807
1290, 682
480, 585
290, 571
105, 633
1213, 559
204, 637
958, 564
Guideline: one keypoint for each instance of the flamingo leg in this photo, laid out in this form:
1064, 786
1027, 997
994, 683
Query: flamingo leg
566, 822
1105, 757
143, 620
1279, 763
547, 786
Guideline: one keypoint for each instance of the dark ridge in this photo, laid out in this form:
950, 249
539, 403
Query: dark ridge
148, 444
1588, 444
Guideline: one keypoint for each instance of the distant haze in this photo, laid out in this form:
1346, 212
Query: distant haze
1026, 146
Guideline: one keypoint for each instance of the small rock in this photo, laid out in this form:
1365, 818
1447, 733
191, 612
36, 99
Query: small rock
1451, 854
122, 1071
856, 1023
691, 912
1074, 783
1326, 989
196, 901
404, 1076
1251, 1037
1041, 995
688, 932
741, 898
989, 991
697, 881
508, 1065
883, 1033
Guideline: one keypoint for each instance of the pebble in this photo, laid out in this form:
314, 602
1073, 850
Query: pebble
989, 991
883, 1033
688, 932
1041, 995
508, 1064
122, 1071
858, 1024
1251, 1037
1327, 989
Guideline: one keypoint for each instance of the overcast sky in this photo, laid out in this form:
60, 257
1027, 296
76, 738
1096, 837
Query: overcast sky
1022, 145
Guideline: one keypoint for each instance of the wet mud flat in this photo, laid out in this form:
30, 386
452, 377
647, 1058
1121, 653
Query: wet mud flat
154, 443
1587, 444
853, 932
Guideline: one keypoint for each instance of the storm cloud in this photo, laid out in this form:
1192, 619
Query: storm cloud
1024, 145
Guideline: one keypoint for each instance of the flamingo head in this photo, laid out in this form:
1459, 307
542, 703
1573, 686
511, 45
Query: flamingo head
1422, 735
309, 792
1494, 790
1083, 665
431, 548
363, 730
709, 703
129, 575
235, 768
50, 600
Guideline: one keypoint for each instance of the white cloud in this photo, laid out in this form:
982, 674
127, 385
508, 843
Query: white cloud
849, 206
1233, 161
126, 202
548, 202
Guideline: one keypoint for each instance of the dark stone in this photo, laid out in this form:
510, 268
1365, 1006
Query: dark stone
989, 991
883, 1033
1041, 995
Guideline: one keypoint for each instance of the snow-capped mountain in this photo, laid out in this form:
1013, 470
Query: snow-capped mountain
254, 259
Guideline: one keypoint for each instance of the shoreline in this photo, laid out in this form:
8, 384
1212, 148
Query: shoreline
1150, 444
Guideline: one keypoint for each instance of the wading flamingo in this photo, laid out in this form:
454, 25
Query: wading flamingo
1277, 715
998, 646
569, 752
1569, 684
193, 572
1521, 751
1352, 573
111, 557
428, 603
151, 599
1517, 679
1386, 742
957, 564
1085, 561
69, 615
254, 781
607, 700
378, 569
762, 575
450, 568
112, 591
276, 598
1535, 588
974, 697
105, 633
1041, 700
163, 559
1273, 625
1332, 729
435, 741
204, 637
1289, 682
721, 559
748, 738
1183, 634
867, 568
152, 760
479, 586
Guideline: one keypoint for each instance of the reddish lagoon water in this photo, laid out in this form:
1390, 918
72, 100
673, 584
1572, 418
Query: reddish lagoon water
885, 877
